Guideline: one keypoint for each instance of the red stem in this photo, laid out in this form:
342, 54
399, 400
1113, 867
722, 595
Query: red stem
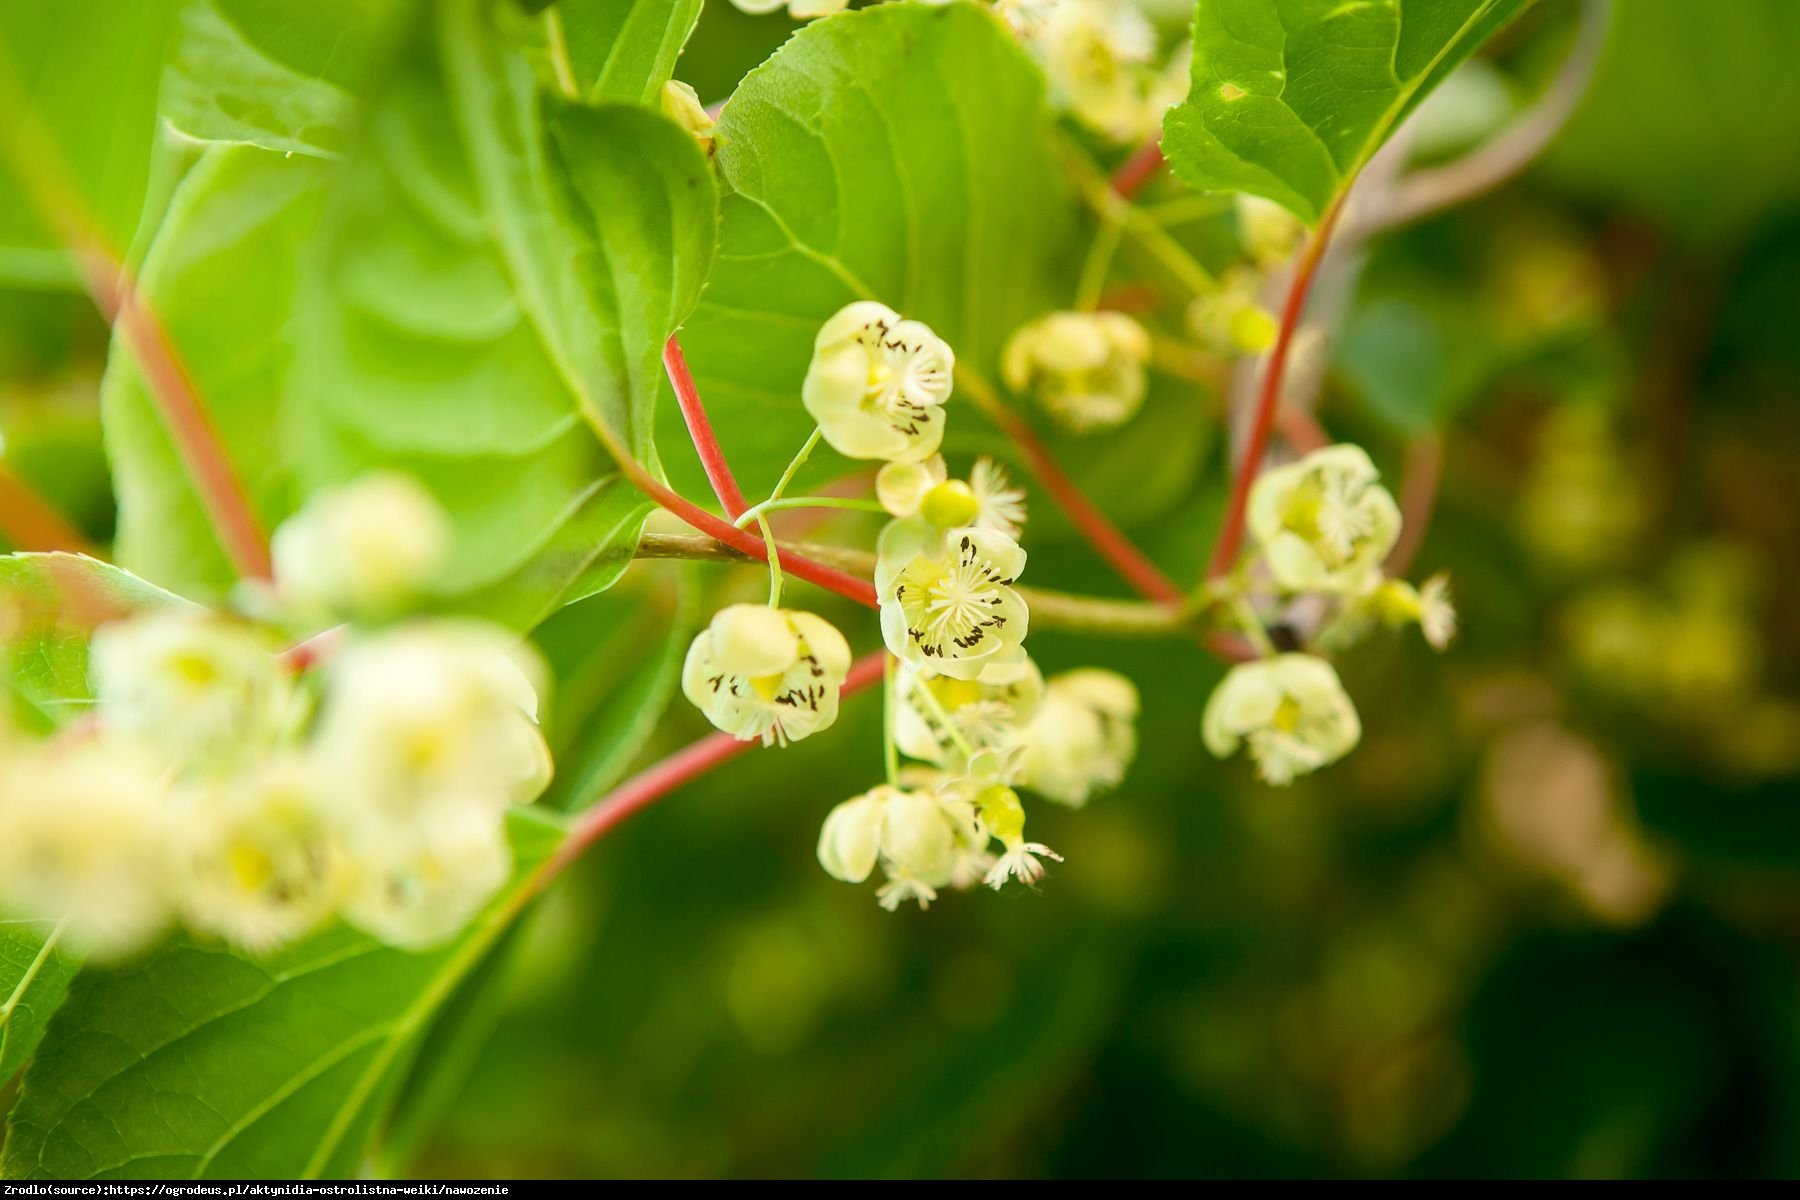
656, 781
1231, 533
31, 523
1101, 533
1300, 429
700, 429
1138, 170
830, 578
1418, 496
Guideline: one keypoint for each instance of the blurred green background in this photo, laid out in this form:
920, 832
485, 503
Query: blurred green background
1542, 922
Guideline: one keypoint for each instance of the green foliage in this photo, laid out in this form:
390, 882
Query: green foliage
51, 603
902, 153
34, 979
271, 73
198, 1063
460, 259
1291, 98
1682, 114
79, 77
625, 49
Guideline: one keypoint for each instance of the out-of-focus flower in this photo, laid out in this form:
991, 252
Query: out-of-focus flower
1083, 737
366, 549
418, 885
1324, 523
434, 715
1290, 710
877, 384
1098, 56
1230, 320
85, 839
261, 854
201, 688
799, 10
1086, 369
681, 104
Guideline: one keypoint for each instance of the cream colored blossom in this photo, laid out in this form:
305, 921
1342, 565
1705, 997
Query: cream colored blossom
987, 712
1083, 737
1098, 56
416, 886
1269, 231
947, 600
901, 487
922, 489
918, 837
433, 715
1290, 710
260, 854
201, 688
1324, 523
774, 674
799, 10
85, 835
1428, 606
1230, 320
1086, 369
877, 384
369, 548
681, 104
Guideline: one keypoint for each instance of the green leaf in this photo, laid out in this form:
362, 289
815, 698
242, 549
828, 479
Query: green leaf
626, 49
51, 603
78, 80
1291, 98
904, 152
34, 979
459, 299
483, 278
279, 74
196, 1063
220, 274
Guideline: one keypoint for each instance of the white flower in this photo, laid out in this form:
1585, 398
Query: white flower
199, 687
999, 506
774, 674
917, 837
947, 600
1003, 817
416, 886
1097, 56
1269, 232
799, 10
1290, 709
1083, 738
366, 549
432, 715
84, 838
261, 855
877, 384
1324, 523
681, 104
1086, 369
986, 712
1230, 319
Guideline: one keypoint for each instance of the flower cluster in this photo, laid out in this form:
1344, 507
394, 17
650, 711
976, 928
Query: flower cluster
1086, 369
964, 698
1100, 59
1323, 527
219, 783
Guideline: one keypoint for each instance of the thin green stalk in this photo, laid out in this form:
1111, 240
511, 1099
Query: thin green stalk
756, 512
774, 562
890, 750
1099, 262
31, 973
939, 713
799, 461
